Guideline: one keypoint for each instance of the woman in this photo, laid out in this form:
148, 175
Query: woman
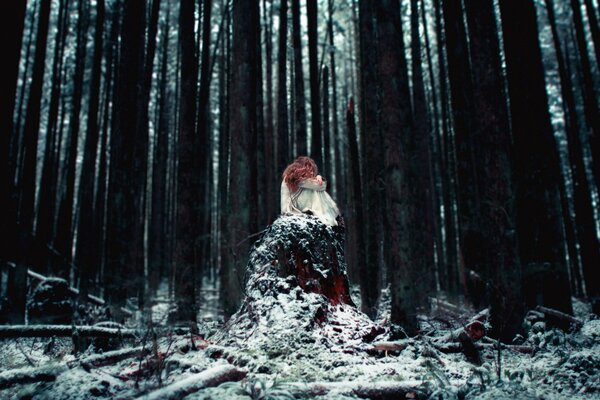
303, 191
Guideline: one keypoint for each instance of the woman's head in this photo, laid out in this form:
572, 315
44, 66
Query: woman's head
302, 168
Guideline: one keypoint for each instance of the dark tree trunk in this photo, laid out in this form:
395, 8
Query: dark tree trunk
86, 240
435, 165
101, 265
326, 141
356, 235
189, 184
337, 150
27, 183
284, 153
158, 246
224, 153
461, 93
590, 102
447, 162
127, 164
584, 229
594, 28
373, 147
422, 241
14, 18
486, 230
316, 150
269, 141
536, 163
204, 155
258, 216
400, 183
63, 240
299, 101
46, 223
242, 199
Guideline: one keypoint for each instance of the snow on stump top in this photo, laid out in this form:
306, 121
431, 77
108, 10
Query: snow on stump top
297, 289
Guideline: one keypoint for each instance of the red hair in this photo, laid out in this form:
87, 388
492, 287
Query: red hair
302, 168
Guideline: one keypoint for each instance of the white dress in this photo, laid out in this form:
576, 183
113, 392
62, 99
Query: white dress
310, 196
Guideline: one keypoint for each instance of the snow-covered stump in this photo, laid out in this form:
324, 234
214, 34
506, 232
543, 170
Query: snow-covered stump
297, 291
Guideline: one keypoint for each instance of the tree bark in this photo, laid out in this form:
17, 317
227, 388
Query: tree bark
63, 239
399, 174
16, 331
86, 239
423, 238
299, 101
373, 164
284, 154
536, 164
189, 184
590, 101
127, 164
27, 183
315, 105
242, 197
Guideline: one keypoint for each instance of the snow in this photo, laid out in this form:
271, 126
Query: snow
286, 338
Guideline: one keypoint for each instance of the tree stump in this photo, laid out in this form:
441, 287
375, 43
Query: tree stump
297, 290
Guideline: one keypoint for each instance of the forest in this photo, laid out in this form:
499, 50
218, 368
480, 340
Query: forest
147, 253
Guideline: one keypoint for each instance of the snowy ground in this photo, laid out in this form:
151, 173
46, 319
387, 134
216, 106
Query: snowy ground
562, 366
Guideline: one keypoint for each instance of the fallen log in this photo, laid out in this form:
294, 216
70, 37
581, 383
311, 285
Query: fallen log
458, 348
12, 331
560, 315
209, 378
364, 390
30, 375
111, 357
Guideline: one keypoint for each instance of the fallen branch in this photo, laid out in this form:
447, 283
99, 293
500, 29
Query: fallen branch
365, 390
389, 346
209, 378
111, 357
30, 375
12, 331
560, 315
458, 348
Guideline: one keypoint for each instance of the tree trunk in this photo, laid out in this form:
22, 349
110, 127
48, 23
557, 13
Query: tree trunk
284, 153
269, 141
46, 217
337, 170
299, 102
158, 246
486, 231
422, 241
127, 164
400, 182
590, 101
86, 240
189, 184
447, 162
316, 151
536, 163
27, 184
373, 162
326, 141
242, 199
63, 240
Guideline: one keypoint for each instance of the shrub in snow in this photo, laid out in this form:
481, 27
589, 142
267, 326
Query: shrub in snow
50, 303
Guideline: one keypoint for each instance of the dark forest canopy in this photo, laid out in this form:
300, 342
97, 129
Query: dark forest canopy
144, 141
